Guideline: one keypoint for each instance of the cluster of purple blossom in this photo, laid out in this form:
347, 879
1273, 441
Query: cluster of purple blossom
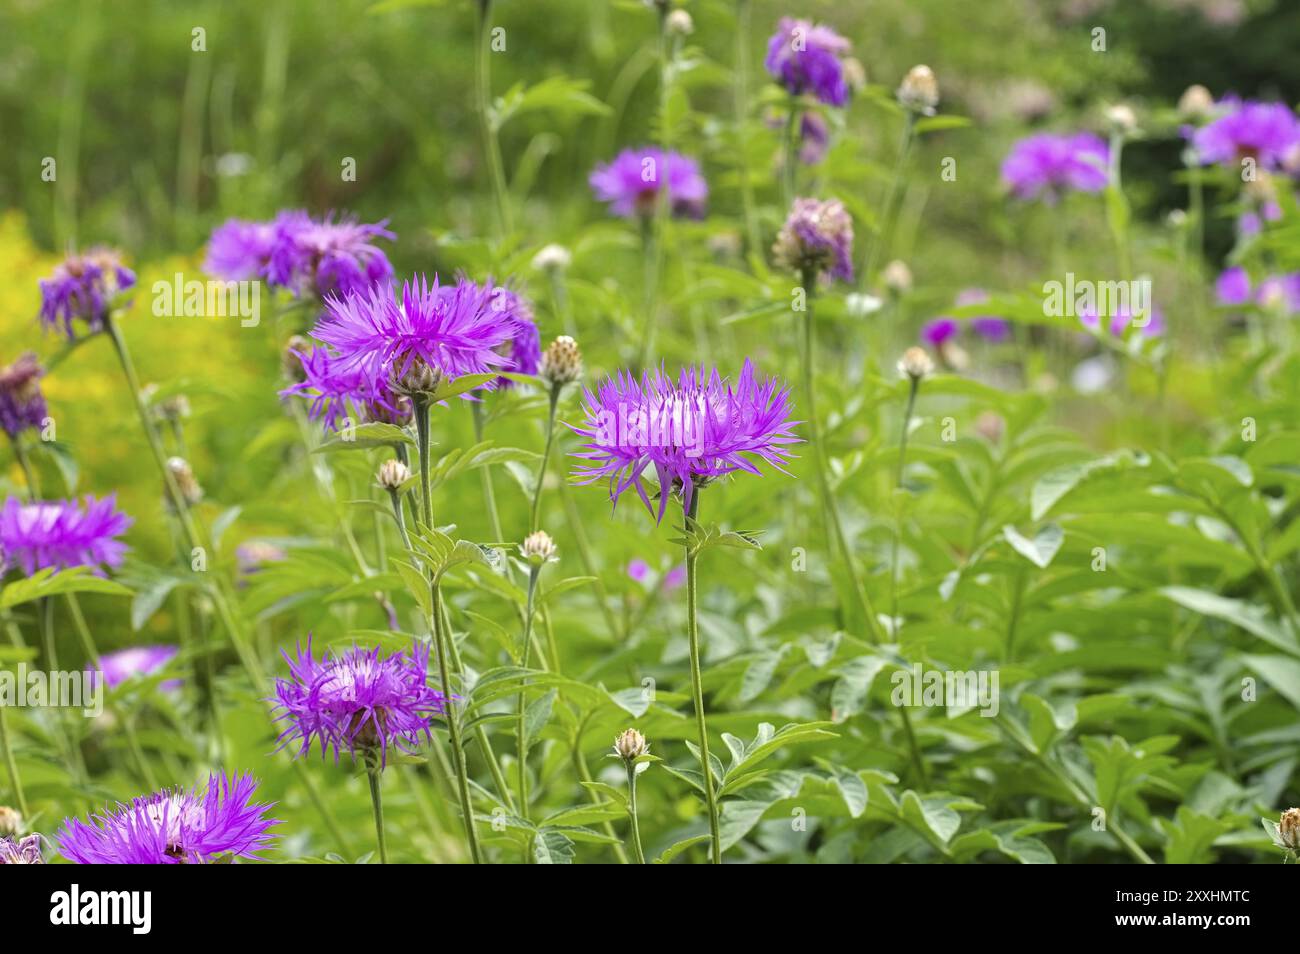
939, 331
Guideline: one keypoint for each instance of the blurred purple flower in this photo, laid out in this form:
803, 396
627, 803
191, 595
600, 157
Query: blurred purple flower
674, 578
808, 58
1233, 286
1281, 292
120, 666
638, 570
524, 348
939, 331
62, 534
1247, 129
240, 250
1046, 165
989, 327
359, 699
22, 405
814, 137
1120, 319
323, 257
83, 288
213, 822
630, 183
689, 431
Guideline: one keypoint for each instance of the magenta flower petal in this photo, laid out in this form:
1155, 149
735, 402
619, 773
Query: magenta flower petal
81, 289
1046, 165
630, 184
809, 58
60, 534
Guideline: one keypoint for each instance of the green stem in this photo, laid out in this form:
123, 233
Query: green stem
485, 479
654, 249
790, 158
697, 689
637, 854
898, 516
440, 637
76, 765
881, 242
584, 775
420, 407
740, 93
829, 506
536, 509
482, 97
521, 728
11, 764
376, 804
579, 532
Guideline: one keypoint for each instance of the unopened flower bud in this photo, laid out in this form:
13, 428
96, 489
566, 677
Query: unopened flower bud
1288, 828
679, 23
561, 362
186, 483
392, 474
11, 823
631, 745
919, 91
1121, 118
1196, 103
916, 364
538, 548
897, 277
418, 378
552, 258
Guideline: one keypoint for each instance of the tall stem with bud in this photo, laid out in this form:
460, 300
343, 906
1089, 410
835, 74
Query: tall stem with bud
697, 687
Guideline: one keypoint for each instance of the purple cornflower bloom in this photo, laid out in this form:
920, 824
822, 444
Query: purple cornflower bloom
62, 534
21, 851
454, 330
524, 348
1047, 164
240, 250
674, 578
1246, 129
359, 699
212, 822
808, 58
141, 661
818, 236
1233, 286
82, 288
323, 257
689, 431
339, 393
630, 184
22, 405
939, 331
639, 570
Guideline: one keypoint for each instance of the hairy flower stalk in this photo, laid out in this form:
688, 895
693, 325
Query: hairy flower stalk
537, 550
629, 747
689, 513
817, 240
561, 364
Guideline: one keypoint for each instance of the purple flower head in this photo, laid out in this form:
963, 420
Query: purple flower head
339, 393
357, 700
213, 822
83, 288
817, 235
1246, 129
323, 257
523, 350
1046, 164
22, 405
60, 534
1233, 286
939, 331
808, 58
674, 578
239, 250
687, 431
630, 184
639, 570
21, 851
989, 327
141, 661
454, 330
